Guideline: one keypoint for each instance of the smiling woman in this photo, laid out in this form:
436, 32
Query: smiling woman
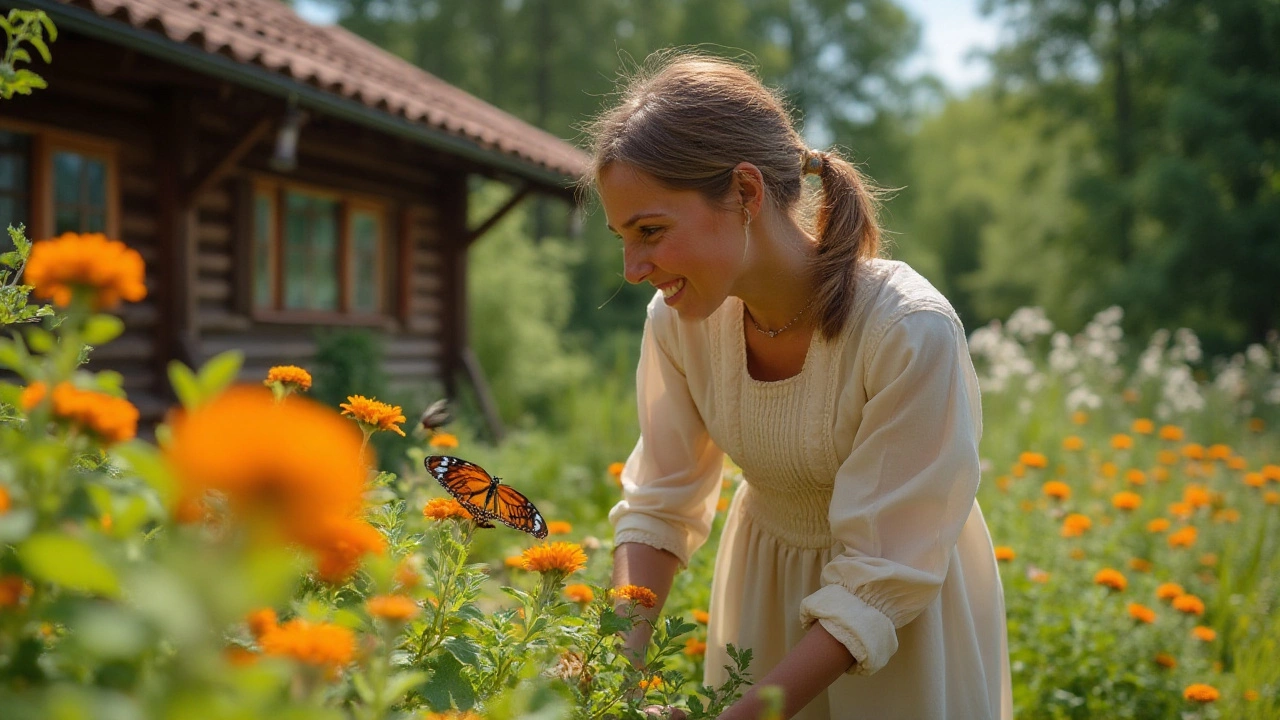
840, 383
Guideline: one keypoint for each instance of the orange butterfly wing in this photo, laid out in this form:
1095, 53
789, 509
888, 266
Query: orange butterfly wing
484, 497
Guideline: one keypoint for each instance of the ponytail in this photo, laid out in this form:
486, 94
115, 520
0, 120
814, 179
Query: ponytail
848, 233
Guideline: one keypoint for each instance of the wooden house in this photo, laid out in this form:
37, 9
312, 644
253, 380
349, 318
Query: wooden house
168, 123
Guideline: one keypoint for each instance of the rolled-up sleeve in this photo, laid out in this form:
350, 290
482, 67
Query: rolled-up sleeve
670, 481
903, 494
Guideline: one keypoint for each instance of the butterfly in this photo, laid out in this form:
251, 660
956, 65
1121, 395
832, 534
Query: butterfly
484, 496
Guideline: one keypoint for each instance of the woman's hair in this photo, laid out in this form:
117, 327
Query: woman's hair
689, 119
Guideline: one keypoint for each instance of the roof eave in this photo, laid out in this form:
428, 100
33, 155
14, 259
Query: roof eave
70, 17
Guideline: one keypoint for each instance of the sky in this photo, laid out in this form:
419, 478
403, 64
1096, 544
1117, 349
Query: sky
951, 28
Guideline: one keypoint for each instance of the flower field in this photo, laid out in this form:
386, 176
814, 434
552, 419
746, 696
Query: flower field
252, 562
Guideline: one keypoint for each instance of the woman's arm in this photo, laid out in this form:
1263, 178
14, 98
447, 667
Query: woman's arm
639, 564
811, 666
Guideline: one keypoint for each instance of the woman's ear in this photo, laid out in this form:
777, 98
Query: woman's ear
748, 184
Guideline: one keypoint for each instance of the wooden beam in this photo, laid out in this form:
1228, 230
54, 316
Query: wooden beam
227, 157
496, 217
177, 332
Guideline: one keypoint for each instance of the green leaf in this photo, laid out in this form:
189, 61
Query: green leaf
102, 329
611, 622
464, 648
68, 562
185, 385
13, 354
448, 687
40, 340
401, 683
145, 461
220, 372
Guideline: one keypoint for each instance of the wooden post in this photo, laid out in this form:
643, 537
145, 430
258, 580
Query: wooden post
177, 332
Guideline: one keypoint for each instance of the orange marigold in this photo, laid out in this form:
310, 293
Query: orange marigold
288, 375
559, 527
321, 644
1120, 441
1189, 604
444, 509
1161, 474
1158, 525
1169, 591
373, 415
261, 621
1143, 426
340, 543
1172, 433
1166, 660
1108, 469
1079, 417
1197, 496
1034, 460
1142, 613
237, 656
1271, 472
1201, 693
13, 590
1005, 553
1181, 509
1134, 476
637, 594
111, 419
1072, 443
722, 504
1227, 515
579, 593
1183, 537
1251, 695
652, 683
1141, 565
1167, 457
1207, 634
408, 572
1271, 497
1193, 451
1075, 524
1126, 500
108, 271
1236, 462
443, 441
1111, 578
693, 647
396, 608
615, 471
701, 616
5, 501
1254, 479
1056, 489
1218, 451
554, 557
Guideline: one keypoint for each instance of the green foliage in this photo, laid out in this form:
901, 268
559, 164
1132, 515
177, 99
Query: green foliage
13, 296
30, 27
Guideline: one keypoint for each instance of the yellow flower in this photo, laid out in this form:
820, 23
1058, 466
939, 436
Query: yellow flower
701, 616
396, 608
1057, 489
693, 647
111, 419
1034, 460
1120, 441
262, 621
443, 441
652, 683
1143, 426
559, 527
322, 644
1207, 634
1183, 537
1126, 500
1005, 553
1218, 451
1166, 660
579, 593
1072, 443
1193, 451
1189, 604
615, 471
641, 596
1254, 479
555, 557
289, 375
1172, 433
1142, 613
108, 269
1111, 578
444, 509
1201, 693
1169, 591
1075, 524
373, 414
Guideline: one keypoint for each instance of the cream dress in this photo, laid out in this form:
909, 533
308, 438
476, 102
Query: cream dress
857, 509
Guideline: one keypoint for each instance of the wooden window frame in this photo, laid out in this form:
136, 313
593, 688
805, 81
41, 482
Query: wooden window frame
277, 188
45, 141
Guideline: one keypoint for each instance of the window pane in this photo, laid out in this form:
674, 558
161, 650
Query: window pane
13, 172
365, 235
8, 216
311, 241
10, 140
96, 183
263, 231
66, 219
95, 222
66, 178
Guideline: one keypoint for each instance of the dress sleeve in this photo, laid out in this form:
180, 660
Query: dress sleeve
671, 479
906, 489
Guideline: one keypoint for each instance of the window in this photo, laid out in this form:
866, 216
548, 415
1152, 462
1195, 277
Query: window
316, 252
55, 182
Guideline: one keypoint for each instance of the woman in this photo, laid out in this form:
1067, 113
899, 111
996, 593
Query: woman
855, 562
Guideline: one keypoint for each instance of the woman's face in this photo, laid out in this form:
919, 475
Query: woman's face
676, 240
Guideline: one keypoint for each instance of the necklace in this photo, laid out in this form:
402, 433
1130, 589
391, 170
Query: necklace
776, 333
